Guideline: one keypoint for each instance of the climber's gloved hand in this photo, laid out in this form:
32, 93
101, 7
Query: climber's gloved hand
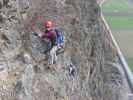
34, 33
37, 32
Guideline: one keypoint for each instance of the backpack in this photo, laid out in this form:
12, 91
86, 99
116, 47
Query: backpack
59, 37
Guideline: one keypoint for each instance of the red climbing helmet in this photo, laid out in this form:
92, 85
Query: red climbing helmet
48, 24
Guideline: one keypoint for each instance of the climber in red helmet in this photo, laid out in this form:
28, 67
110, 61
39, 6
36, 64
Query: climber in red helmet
53, 35
50, 35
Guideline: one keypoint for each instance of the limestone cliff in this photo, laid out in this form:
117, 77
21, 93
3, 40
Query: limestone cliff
23, 65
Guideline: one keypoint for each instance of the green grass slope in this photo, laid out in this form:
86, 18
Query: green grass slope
116, 5
117, 22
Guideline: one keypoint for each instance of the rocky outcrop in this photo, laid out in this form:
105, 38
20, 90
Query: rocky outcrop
86, 46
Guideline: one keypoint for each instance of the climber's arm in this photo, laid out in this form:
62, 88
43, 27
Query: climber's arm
38, 32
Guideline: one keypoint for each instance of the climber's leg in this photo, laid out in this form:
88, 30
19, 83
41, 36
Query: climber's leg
49, 58
52, 55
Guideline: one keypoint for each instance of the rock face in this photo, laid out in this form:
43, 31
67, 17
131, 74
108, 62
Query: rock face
97, 75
